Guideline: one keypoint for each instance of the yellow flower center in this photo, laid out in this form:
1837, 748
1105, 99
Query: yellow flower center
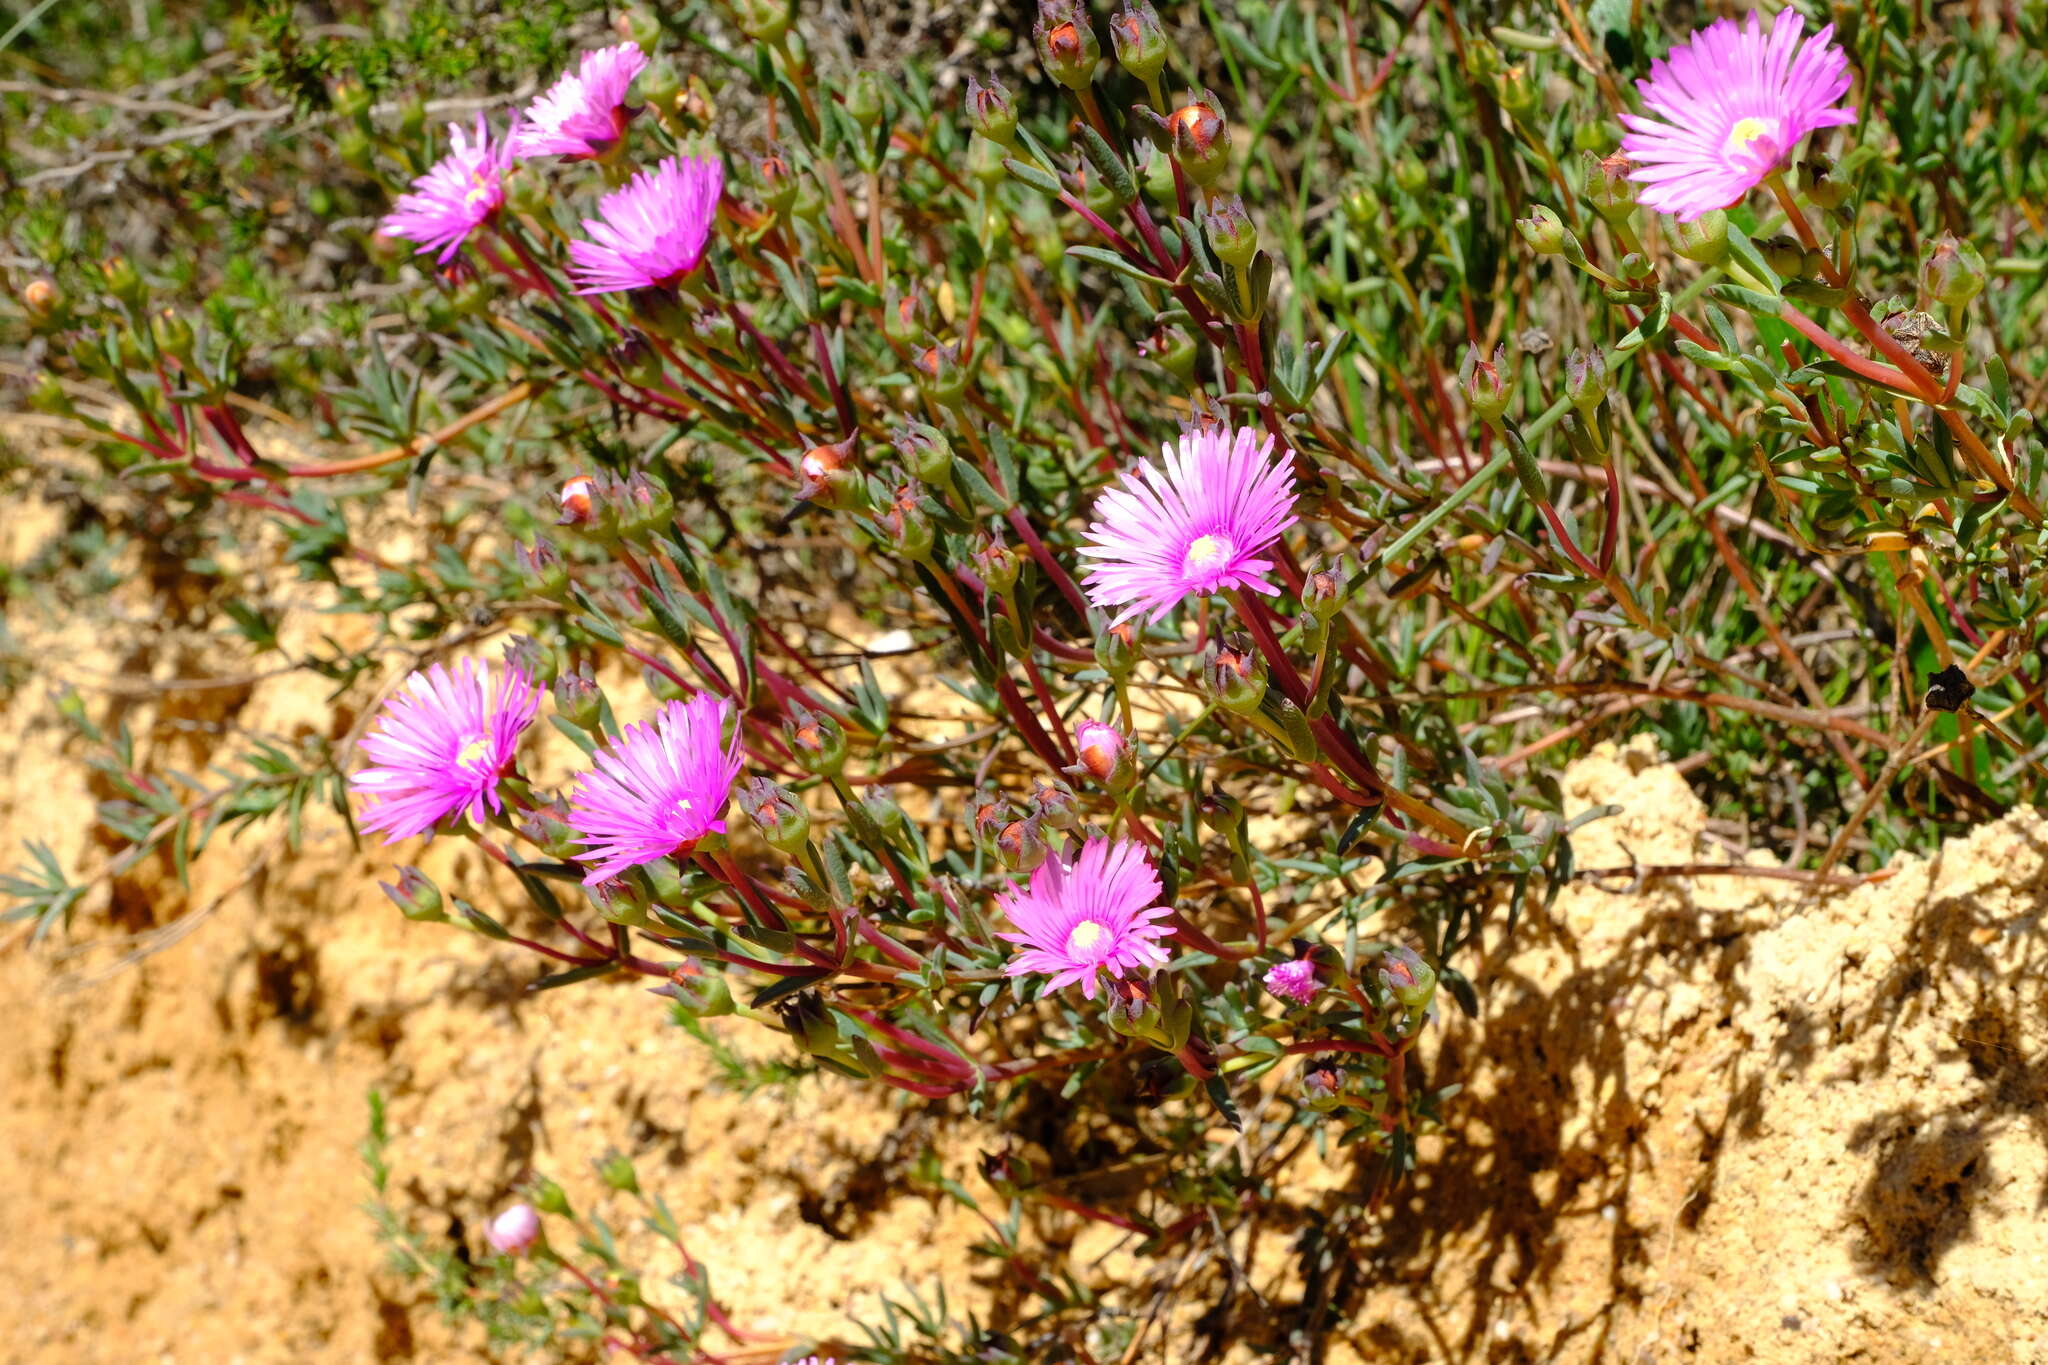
1205, 553
1084, 936
1746, 131
472, 753
480, 189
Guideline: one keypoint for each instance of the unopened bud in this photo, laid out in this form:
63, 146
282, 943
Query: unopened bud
514, 1230
1486, 383
1105, 755
1608, 188
1410, 980
1201, 141
532, 658
927, 453
1322, 1084
1020, 845
123, 283
1053, 805
829, 478
1952, 271
1236, 676
989, 111
1324, 589
1232, 234
908, 523
864, 99
1140, 40
43, 301
1116, 649
416, 896
1066, 42
540, 564
1516, 92
1704, 239
817, 741
1585, 378
547, 828
1175, 351
941, 374
1543, 230
577, 698
1410, 175
1007, 1173
577, 500
1784, 255
1821, 186
998, 565
764, 21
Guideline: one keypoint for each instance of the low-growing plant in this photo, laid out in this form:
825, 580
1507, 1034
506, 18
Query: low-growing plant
1515, 385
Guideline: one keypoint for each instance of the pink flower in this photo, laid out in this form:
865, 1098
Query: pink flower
657, 788
1293, 981
1195, 528
1094, 915
583, 113
650, 231
1731, 104
455, 196
514, 1230
441, 745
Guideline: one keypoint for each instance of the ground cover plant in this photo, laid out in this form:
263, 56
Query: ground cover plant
1052, 559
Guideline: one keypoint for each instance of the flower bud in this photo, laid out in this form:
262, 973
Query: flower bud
816, 740
1007, 1173
547, 828
549, 1197
514, 1230
1486, 385
1116, 649
1053, 805
1201, 141
829, 478
782, 819
927, 453
616, 1170
532, 658
1066, 42
1232, 234
1543, 230
1236, 676
1362, 207
1174, 349
778, 182
1819, 183
577, 500
1704, 239
1324, 590
44, 302
645, 506
1295, 982
123, 283
1105, 756
1140, 40
817, 1033
764, 21
416, 896
661, 84
577, 698
1608, 188
941, 374
1410, 175
1585, 378
908, 523
1516, 92
1952, 271
1408, 979
1322, 1084
989, 111
1223, 813
1020, 845
997, 565
864, 99
1784, 255
540, 565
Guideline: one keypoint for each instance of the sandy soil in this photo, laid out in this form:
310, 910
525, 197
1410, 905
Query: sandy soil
1712, 1122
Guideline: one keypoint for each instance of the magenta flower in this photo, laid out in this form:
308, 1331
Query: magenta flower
1094, 915
457, 193
514, 1230
582, 114
1194, 529
441, 745
650, 231
657, 788
1731, 104
1294, 981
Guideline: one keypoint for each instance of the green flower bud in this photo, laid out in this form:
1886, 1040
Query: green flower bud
864, 99
1140, 40
416, 897
1784, 255
541, 567
1585, 378
123, 283
577, 698
1543, 230
1175, 351
1819, 183
1410, 175
1487, 383
764, 21
1116, 649
1608, 188
1066, 41
1232, 234
816, 740
1704, 239
989, 111
782, 819
660, 83
1952, 271
1236, 676
1020, 845
616, 1170
1201, 141
641, 27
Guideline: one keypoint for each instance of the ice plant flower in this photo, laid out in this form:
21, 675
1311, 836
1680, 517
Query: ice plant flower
455, 196
1294, 981
1192, 527
659, 787
582, 114
650, 231
441, 745
1078, 920
514, 1230
1728, 107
